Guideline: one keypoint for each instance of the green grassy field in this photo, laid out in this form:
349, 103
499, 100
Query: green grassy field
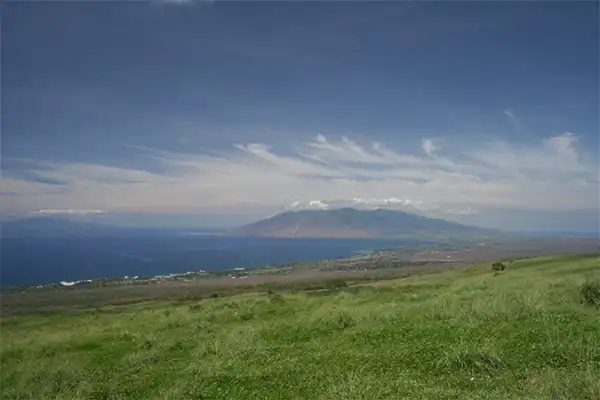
468, 334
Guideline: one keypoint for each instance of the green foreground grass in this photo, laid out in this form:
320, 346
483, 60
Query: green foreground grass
523, 333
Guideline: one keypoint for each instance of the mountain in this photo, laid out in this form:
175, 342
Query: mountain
352, 223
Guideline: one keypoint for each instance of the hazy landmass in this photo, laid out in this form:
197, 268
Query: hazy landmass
353, 223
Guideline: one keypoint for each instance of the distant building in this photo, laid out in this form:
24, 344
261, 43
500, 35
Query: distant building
67, 283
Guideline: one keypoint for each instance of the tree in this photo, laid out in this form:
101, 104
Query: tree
498, 266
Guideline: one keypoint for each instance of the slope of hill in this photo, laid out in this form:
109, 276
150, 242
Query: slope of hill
352, 223
524, 333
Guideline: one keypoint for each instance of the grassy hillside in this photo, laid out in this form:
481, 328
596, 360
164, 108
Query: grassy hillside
523, 333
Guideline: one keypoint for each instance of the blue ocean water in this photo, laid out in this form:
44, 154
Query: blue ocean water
27, 261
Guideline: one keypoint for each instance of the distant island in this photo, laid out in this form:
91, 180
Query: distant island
46, 227
353, 223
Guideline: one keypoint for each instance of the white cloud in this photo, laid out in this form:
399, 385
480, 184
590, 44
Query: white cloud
70, 211
556, 155
428, 147
256, 178
346, 150
309, 205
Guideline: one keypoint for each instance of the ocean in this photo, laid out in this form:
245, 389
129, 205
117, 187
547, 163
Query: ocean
29, 261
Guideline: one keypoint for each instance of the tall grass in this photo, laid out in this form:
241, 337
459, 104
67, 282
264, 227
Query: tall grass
459, 334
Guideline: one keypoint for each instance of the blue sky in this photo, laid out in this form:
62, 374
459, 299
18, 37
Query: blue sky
223, 112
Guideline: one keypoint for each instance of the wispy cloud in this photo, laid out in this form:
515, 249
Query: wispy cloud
69, 211
516, 122
323, 172
428, 147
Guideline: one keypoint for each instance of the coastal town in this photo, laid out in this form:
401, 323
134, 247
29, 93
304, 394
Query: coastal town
380, 260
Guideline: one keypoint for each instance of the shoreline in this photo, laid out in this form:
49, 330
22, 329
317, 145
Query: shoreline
364, 260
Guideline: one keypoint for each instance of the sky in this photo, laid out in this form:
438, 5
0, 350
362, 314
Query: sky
217, 113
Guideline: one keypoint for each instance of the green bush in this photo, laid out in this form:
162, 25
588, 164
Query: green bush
195, 307
336, 284
590, 292
274, 297
498, 266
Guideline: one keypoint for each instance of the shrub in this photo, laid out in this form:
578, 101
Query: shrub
590, 292
195, 307
274, 297
336, 284
246, 315
498, 266
230, 305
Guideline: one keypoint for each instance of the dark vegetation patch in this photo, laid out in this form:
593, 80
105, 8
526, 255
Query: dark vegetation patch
590, 292
498, 266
